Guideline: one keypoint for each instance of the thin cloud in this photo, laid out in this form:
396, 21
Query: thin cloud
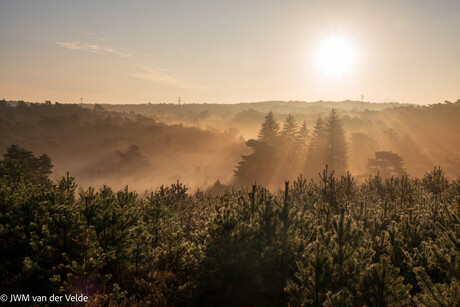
94, 48
165, 77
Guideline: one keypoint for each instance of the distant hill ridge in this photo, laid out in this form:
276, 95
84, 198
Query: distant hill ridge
346, 104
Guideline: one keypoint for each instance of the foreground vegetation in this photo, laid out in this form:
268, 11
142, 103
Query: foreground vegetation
330, 241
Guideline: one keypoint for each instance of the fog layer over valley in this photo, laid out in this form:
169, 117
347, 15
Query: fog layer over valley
153, 144
113, 148
423, 135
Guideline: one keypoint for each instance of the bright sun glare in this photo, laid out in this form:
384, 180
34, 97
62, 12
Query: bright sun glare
335, 56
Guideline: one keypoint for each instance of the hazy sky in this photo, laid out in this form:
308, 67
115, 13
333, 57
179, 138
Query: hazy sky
227, 51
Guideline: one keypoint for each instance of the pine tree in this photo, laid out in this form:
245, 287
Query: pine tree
436, 183
302, 135
439, 277
313, 278
20, 162
336, 144
317, 148
255, 167
290, 127
436, 294
287, 150
381, 285
349, 249
269, 131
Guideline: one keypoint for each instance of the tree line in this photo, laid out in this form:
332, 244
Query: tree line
293, 150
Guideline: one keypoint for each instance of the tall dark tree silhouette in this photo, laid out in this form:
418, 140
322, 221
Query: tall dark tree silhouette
316, 149
337, 145
290, 128
255, 167
269, 131
287, 150
302, 135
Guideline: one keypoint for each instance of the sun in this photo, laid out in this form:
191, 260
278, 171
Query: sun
335, 56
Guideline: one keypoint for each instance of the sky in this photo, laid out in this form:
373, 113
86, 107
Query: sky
230, 51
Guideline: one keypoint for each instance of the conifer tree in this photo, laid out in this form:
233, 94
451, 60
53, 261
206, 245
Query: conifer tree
20, 162
317, 148
436, 294
313, 278
349, 249
435, 182
15, 152
337, 146
290, 127
302, 135
381, 285
287, 150
254, 167
269, 131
